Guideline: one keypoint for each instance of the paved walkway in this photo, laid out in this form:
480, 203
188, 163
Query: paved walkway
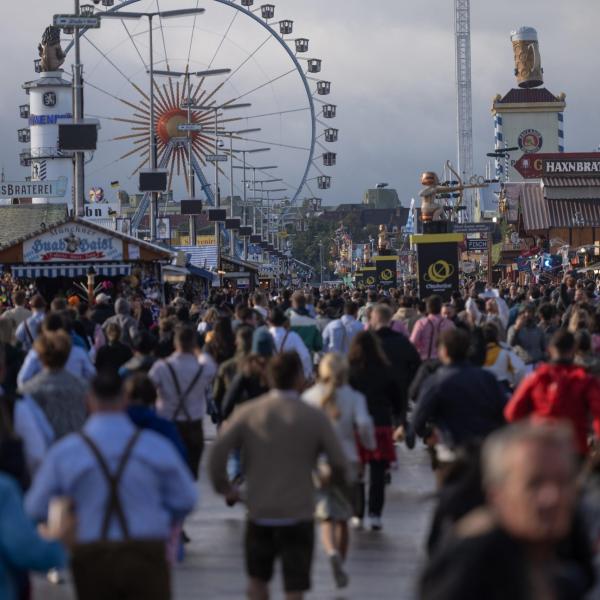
381, 565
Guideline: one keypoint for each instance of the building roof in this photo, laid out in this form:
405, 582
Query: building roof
574, 213
165, 253
204, 257
525, 96
19, 221
534, 207
567, 182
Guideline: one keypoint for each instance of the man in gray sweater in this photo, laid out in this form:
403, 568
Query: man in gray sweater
281, 439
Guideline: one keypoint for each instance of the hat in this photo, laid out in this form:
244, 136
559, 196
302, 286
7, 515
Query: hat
102, 299
262, 342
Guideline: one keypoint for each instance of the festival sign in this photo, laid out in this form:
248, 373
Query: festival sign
72, 242
34, 189
386, 269
438, 269
369, 276
536, 166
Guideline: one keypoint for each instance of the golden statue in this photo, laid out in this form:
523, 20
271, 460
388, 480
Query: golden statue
528, 62
383, 239
432, 208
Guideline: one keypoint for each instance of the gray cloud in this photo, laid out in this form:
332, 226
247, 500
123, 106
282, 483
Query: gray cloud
392, 67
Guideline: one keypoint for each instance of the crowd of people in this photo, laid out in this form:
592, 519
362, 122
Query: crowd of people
104, 416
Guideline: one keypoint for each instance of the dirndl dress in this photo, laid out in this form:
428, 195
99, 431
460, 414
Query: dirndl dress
385, 450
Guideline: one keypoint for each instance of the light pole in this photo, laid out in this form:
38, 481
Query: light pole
262, 191
245, 200
189, 131
215, 110
167, 14
321, 259
79, 177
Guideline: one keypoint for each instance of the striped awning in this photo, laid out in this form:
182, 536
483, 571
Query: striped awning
565, 182
574, 213
69, 270
534, 207
204, 257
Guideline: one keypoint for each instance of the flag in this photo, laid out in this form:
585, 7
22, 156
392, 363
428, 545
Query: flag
409, 229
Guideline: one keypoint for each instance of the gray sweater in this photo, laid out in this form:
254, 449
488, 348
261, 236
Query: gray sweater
281, 438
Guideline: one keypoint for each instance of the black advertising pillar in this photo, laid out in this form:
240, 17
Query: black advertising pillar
386, 268
437, 257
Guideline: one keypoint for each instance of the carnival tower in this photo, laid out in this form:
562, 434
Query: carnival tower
50, 103
529, 117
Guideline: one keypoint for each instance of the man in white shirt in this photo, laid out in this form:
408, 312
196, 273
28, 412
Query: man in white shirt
286, 340
182, 381
19, 313
338, 335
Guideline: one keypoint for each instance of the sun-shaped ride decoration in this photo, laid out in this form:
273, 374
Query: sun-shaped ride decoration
170, 113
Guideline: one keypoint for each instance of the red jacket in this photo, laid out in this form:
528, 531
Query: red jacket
559, 392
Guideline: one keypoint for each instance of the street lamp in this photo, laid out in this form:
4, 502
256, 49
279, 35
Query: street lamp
167, 14
215, 110
188, 85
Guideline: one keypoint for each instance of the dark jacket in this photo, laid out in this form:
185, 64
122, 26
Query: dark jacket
137, 364
492, 565
102, 312
145, 418
242, 389
464, 402
402, 355
386, 400
112, 356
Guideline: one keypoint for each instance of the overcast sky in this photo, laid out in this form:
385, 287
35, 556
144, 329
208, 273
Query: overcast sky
391, 63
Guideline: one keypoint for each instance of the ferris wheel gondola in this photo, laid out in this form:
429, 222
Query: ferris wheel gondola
188, 139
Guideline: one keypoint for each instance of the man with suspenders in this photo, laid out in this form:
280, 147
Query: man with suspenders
181, 383
127, 488
29, 329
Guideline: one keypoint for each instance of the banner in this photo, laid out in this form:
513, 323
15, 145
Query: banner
370, 276
386, 268
438, 269
72, 242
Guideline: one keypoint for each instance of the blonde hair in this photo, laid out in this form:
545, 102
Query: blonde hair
333, 373
580, 319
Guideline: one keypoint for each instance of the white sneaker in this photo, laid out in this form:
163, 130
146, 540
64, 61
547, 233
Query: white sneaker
356, 523
340, 576
55, 577
376, 524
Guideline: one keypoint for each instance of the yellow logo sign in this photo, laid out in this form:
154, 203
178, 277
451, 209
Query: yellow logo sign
439, 271
387, 275
371, 280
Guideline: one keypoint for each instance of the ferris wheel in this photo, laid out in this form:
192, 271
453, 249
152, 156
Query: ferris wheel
232, 81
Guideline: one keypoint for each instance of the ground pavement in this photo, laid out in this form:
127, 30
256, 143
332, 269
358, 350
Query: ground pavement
382, 566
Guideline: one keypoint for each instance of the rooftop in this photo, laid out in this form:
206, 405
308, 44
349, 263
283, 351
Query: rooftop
21, 220
525, 96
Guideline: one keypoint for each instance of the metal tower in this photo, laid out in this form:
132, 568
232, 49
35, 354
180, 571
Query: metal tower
462, 32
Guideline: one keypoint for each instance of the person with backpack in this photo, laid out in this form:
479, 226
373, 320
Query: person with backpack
286, 340
427, 330
560, 391
127, 486
123, 318
182, 382
29, 329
